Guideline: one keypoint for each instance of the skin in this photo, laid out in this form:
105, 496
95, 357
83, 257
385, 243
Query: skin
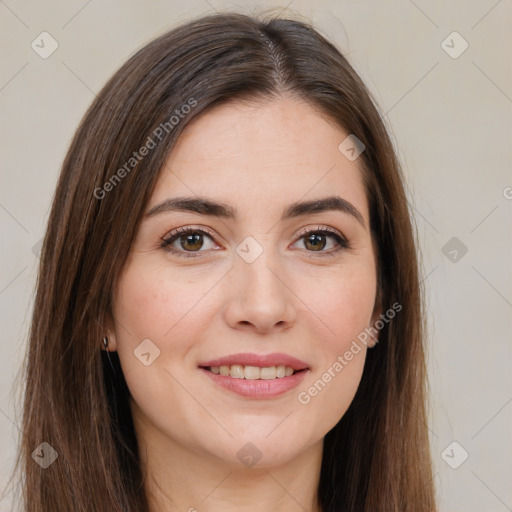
258, 157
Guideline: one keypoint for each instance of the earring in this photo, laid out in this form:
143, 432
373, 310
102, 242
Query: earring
105, 343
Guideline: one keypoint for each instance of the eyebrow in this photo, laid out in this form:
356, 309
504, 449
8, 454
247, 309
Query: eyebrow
205, 206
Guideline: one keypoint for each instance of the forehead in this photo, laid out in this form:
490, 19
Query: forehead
261, 154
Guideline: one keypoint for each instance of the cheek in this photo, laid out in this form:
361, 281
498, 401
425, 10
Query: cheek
343, 303
329, 394
153, 302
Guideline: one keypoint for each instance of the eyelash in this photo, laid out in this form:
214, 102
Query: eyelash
342, 242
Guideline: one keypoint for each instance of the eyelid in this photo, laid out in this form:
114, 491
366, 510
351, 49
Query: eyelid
307, 230
342, 242
186, 229
171, 236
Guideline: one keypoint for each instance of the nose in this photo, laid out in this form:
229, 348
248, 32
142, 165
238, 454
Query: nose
260, 296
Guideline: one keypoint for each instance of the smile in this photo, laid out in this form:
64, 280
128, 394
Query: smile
262, 383
238, 371
252, 372
256, 376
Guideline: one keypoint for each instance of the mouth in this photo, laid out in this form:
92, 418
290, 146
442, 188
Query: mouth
256, 376
237, 371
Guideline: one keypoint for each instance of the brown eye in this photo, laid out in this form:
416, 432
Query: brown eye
323, 241
192, 242
315, 241
187, 241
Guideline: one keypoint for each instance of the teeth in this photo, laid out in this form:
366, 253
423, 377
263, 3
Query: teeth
236, 371
253, 372
268, 373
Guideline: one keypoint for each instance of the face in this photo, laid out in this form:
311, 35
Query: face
254, 279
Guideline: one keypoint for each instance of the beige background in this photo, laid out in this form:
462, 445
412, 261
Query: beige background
451, 120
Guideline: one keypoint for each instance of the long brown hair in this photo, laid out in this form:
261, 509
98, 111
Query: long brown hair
76, 399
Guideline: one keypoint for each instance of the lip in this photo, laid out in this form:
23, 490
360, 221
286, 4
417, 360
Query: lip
257, 389
263, 361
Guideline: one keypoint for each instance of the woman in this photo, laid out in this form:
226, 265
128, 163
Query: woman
228, 311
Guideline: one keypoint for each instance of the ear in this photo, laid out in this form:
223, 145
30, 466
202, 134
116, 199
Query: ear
110, 334
374, 332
